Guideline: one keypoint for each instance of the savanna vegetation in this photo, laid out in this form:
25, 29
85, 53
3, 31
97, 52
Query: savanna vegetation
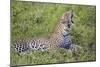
30, 19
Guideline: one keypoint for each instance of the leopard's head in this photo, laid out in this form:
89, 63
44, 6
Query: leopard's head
66, 19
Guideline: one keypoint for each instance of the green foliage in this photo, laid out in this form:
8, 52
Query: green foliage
39, 19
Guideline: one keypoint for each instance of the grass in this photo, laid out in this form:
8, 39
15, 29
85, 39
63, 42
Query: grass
30, 19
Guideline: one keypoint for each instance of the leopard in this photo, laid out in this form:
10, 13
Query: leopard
60, 38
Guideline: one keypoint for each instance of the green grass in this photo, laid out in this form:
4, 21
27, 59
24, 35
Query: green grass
31, 19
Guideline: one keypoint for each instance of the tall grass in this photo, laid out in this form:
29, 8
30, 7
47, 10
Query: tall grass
30, 19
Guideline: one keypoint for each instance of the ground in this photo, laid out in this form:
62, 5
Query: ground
39, 19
